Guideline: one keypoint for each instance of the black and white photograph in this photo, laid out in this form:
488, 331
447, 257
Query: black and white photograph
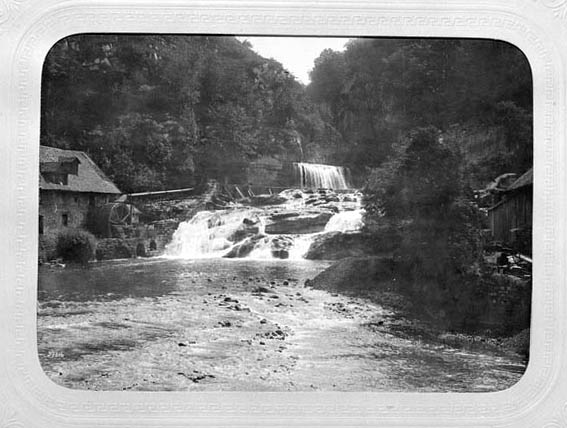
282, 214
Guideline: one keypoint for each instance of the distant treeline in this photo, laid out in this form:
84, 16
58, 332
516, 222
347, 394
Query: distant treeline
165, 111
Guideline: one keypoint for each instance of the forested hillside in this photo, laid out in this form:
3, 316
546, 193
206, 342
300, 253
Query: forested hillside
478, 93
159, 112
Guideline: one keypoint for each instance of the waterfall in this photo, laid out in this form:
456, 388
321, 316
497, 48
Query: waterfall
346, 221
319, 176
248, 232
208, 234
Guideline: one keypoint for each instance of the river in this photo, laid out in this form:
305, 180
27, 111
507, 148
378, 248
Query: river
217, 324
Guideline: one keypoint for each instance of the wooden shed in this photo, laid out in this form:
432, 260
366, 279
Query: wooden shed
511, 217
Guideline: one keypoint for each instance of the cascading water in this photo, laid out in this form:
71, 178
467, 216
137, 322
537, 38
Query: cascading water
346, 221
319, 176
210, 233
242, 232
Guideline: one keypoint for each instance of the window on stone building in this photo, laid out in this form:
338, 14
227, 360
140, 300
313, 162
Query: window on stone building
65, 219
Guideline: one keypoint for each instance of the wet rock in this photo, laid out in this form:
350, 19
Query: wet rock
249, 227
337, 245
261, 290
279, 215
305, 223
225, 323
263, 321
196, 376
280, 247
356, 274
244, 248
275, 335
260, 200
251, 221
330, 207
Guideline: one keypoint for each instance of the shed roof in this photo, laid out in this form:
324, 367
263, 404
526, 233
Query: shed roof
526, 179
88, 179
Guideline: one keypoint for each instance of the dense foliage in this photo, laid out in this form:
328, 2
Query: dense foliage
76, 246
478, 92
159, 112
423, 191
423, 194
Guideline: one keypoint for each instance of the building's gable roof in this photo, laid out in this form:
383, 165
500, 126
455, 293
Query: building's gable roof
527, 179
89, 178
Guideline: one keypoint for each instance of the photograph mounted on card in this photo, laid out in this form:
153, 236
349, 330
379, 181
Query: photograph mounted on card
324, 215
211, 221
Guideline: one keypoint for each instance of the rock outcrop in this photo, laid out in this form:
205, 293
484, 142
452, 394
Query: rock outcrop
311, 222
357, 274
338, 245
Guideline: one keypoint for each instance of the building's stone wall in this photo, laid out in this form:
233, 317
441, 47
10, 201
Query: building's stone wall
148, 240
59, 211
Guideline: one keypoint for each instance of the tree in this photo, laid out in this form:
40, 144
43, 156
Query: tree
423, 190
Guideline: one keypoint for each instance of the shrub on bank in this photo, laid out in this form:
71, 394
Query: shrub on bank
76, 246
47, 248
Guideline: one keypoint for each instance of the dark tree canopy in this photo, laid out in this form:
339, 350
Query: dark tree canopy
378, 90
165, 111
161, 112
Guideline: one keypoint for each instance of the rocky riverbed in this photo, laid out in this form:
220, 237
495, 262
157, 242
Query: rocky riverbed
241, 325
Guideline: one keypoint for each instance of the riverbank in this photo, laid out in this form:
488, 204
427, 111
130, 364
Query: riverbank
499, 324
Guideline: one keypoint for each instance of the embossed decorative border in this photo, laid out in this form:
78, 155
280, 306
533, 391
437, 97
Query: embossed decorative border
559, 7
28, 28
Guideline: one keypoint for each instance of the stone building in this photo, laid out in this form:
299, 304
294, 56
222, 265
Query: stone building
71, 187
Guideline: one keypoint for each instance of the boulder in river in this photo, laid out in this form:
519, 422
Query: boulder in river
249, 227
306, 223
279, 215
259, 200
337, 245
354, 275
280, 246
244, 248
